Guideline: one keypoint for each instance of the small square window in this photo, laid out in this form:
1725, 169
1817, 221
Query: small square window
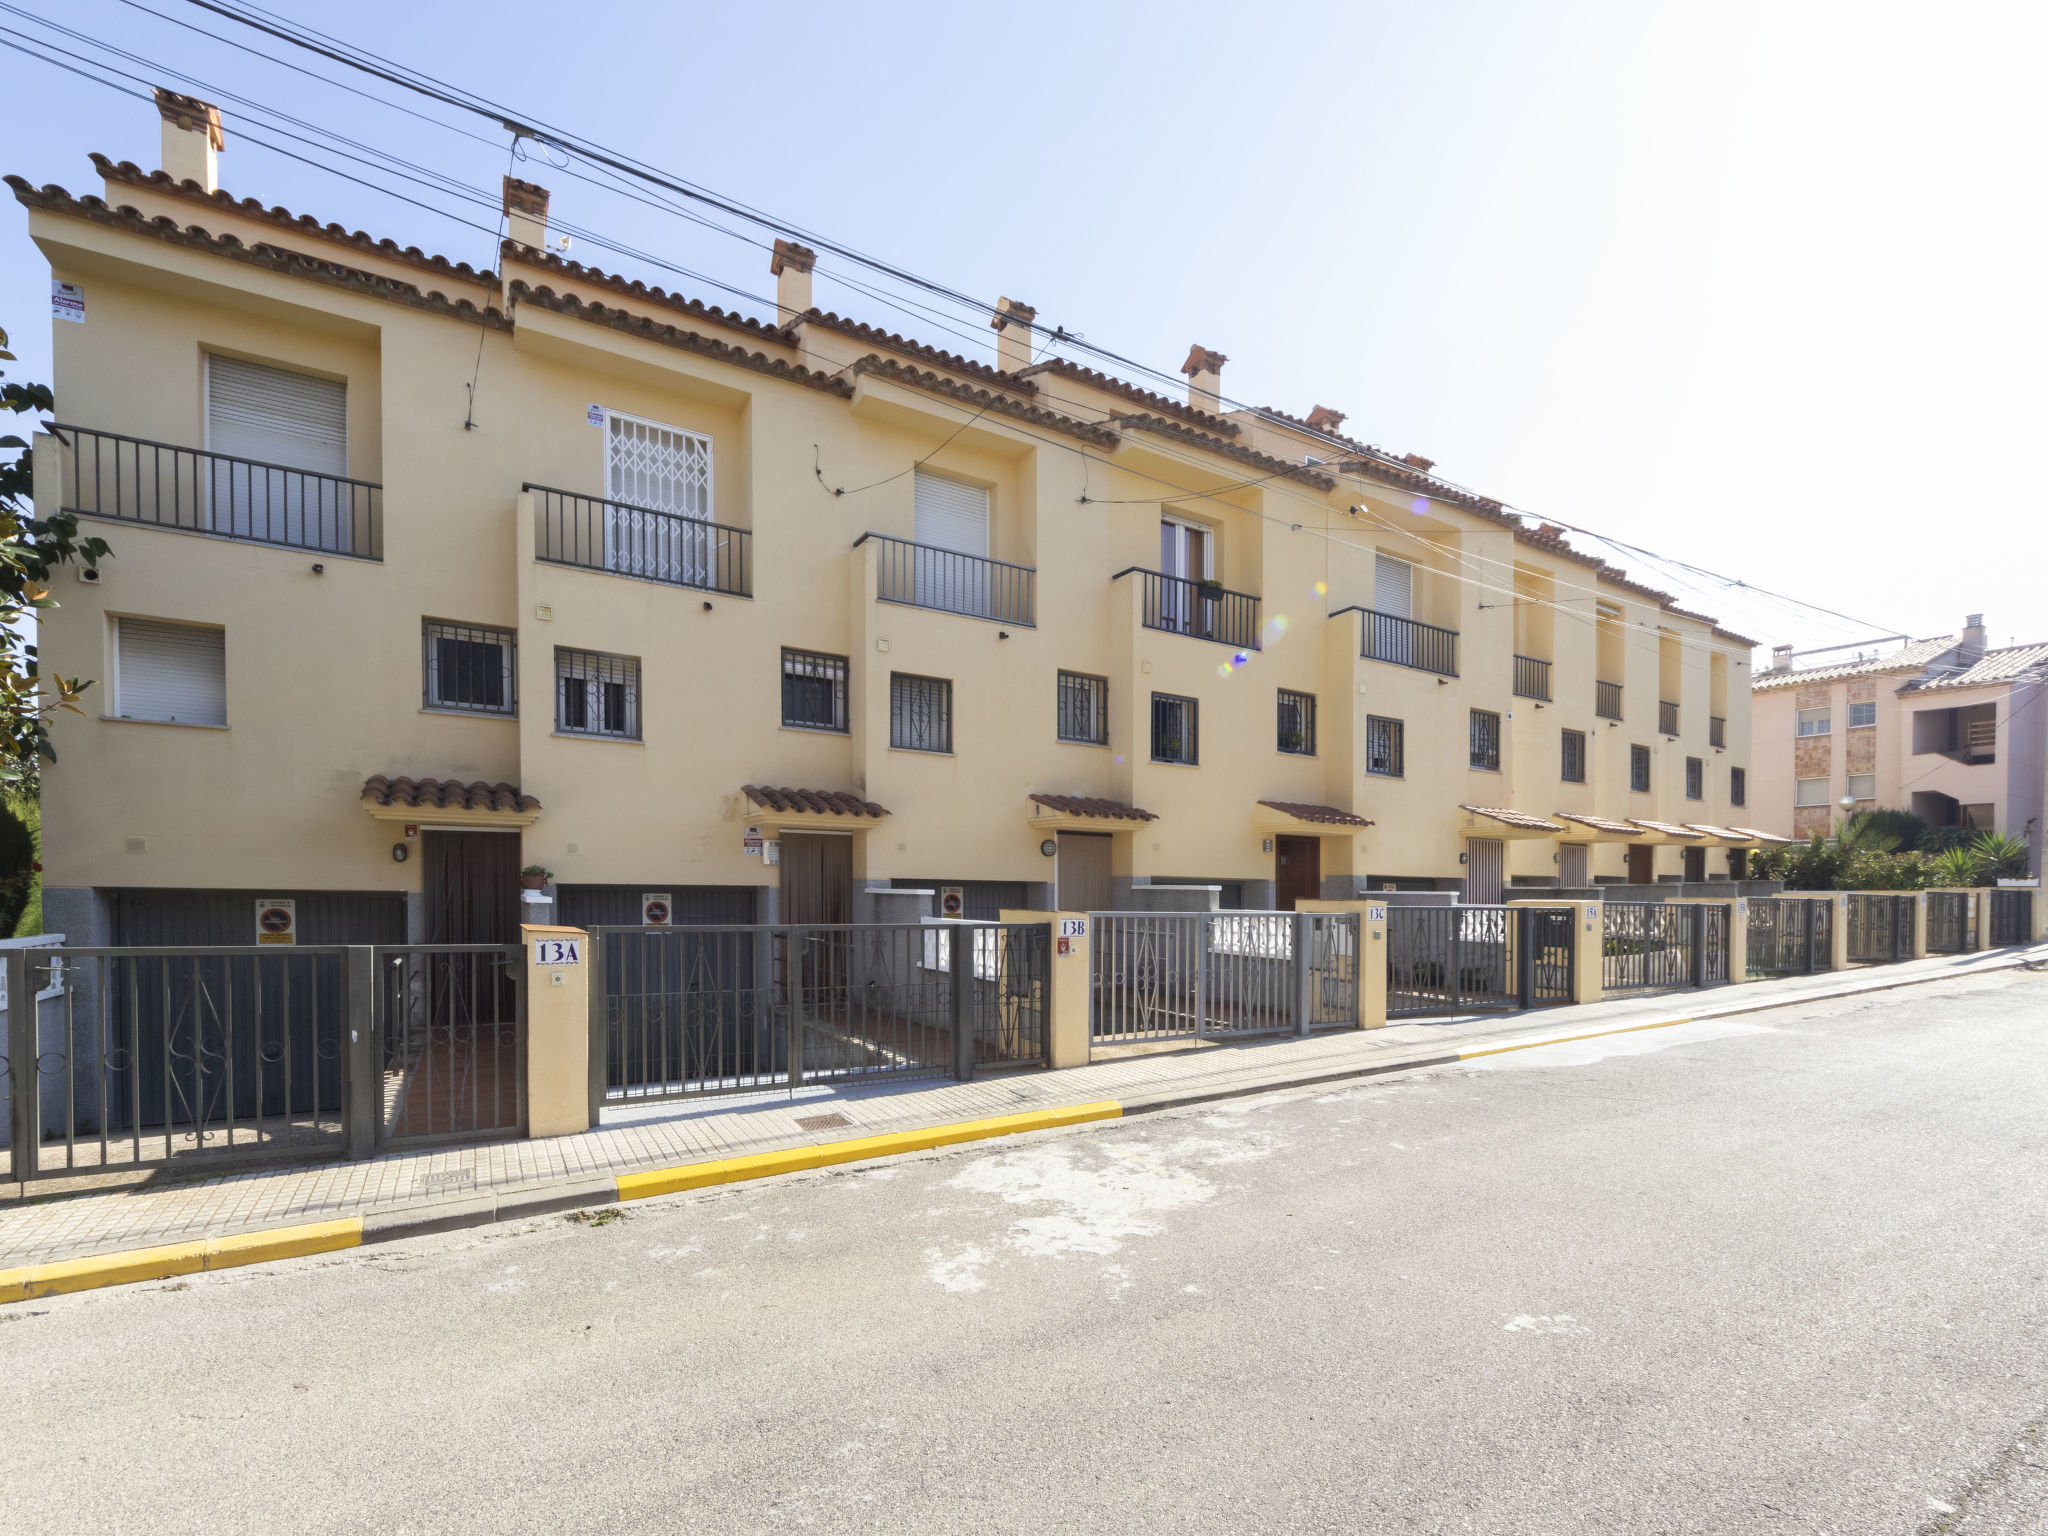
1573, 767
1639, 770
1175, 729
1862, 786
1862, 714
1384, 747
813, 690
1297, 723
1084, 709
470, 669
597, 695
1485, 739
1738, 786
920, 713
1815, 722
1695, 779
1810, 792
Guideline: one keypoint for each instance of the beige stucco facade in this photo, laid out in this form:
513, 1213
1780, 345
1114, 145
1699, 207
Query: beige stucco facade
324, 650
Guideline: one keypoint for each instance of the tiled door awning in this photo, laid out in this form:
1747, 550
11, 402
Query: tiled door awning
1081, 810
1601, 829
815, 807
1755, 836
1292, 815
1499, 821
448, 802
1664, 829
1723, 837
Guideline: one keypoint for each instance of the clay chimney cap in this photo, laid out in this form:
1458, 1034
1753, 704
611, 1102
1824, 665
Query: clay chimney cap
1008, 310
1323, 419
1202, 360
798, 258
1417, 461
191, 114
525, 197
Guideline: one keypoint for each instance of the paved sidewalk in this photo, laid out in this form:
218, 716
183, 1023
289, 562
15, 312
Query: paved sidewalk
420, 1186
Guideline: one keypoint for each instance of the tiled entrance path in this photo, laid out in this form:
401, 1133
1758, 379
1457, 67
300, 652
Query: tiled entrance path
44, 1227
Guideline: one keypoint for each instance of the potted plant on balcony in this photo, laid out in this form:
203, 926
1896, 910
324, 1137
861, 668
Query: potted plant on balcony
535, 877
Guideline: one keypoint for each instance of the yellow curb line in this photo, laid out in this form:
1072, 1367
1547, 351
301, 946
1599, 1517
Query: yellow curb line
54, 1279
734, 1170
1598, 1034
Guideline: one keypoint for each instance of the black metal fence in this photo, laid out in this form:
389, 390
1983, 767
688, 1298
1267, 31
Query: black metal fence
594, 534
1474, 958
1951, 922
1654, 945
1607, 700
1790, 937
1157, 975
193, 491
449, 1043
1407, 643
1201, 609
924, 576
2012, 918
680, 1013
1880, 928
1532, 678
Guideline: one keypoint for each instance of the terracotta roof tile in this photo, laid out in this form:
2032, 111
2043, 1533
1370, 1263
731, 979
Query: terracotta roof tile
576, 271
1327, 433
1165, 405
1762, 837
2000, 666
1508, 818
1598, 823
952, 362
1911, 657
1328, 814
271, 258
164, 183
1088, 805
824, 801
1306, 473
446, 794
987, 400
1666, 828
1708, 829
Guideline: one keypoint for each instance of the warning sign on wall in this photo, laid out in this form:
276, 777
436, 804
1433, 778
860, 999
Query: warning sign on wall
277, 920
656, 908
952, 901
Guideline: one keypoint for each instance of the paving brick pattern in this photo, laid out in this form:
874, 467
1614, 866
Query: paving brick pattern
44, 1226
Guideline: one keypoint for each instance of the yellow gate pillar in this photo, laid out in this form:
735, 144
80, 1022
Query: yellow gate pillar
1068, 993
1589, 932
1738, 939
557, 1029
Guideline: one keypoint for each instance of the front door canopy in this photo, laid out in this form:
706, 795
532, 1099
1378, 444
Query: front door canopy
1500, 822
449, 803
799, 810
1084, 813
1307, 820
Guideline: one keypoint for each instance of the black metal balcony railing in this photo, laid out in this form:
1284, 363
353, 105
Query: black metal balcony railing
191, 490
1405, 642
925, 576
1198, 608
1667, 717
593, 534
1717, 731
1607, 700
1532, 678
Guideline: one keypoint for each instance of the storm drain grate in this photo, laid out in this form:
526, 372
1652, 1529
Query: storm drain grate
821, 1122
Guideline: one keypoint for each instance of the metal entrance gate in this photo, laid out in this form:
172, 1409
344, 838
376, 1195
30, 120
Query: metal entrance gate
693, 1012
2012, 918
1951, 922
1653, 945
1162, 975
1789, 937
1880, 929
1452, 959
449, 1042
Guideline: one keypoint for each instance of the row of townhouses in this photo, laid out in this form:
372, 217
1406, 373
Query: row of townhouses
424, 574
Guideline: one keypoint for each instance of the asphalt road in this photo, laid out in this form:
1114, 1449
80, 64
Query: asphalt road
1782, 1274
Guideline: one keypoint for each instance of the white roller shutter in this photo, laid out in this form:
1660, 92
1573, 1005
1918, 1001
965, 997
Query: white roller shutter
171, 672
276, 417
1393, 587
952, 515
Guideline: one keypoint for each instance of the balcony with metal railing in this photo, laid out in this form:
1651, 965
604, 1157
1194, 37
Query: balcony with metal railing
1717, 731
1404, 642
1667, 716
616, 537
925, 576
1532, 678
189, 490
1607, 700
1204, 610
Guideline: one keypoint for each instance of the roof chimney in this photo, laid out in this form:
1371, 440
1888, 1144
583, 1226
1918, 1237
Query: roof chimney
1417, 461
1973, 636
526, 213
1012, 325
1205, 378
192, 138
791, 267
1323, 419
1781, 658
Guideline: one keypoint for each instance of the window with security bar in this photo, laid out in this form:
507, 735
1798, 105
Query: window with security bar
1297, 723
1385, 747
1738, 786
1695, 779
1639, 770
1485, 730
469, 669
1176, 735
597, 695
813, 691
920, 713
1573, 767
1084, 709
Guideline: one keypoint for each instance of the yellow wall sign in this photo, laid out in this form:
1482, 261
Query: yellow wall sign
277, 920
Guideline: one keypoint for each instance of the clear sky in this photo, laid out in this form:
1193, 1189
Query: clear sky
1756, 284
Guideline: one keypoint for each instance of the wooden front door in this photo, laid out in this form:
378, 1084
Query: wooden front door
1642, 864
817, 878
1695, 863
1297, 870
1083, 872
471, 882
